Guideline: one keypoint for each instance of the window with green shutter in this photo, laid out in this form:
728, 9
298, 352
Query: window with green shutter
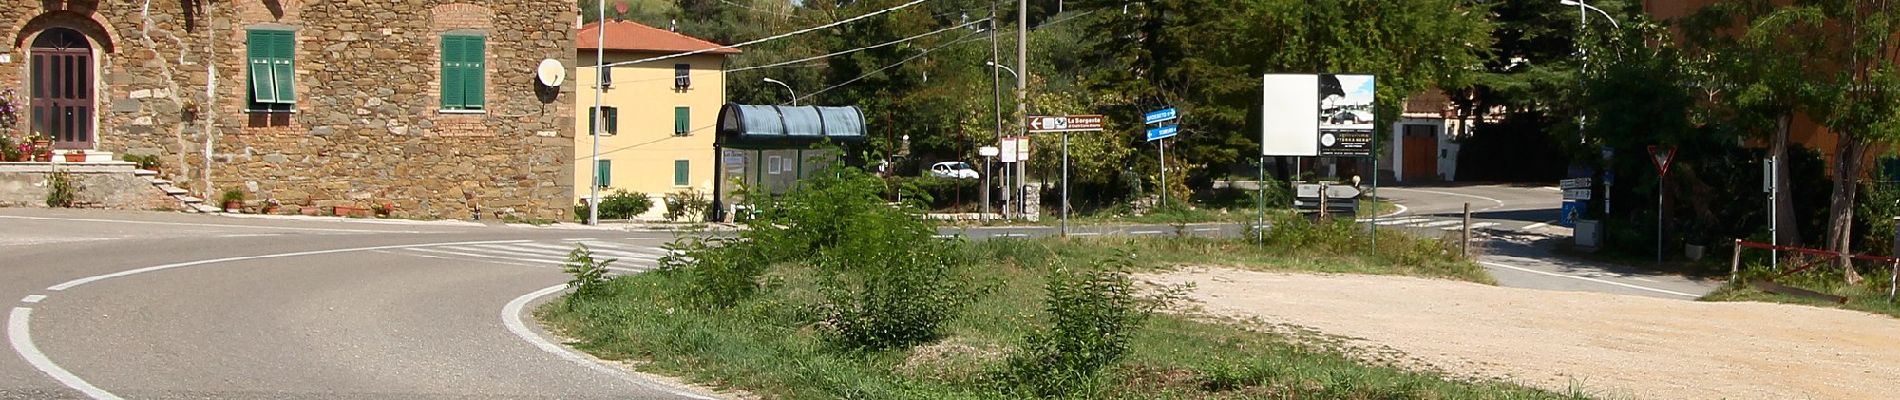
682, 120
609, 116
604, 173
463, 72
682, 174
271, 58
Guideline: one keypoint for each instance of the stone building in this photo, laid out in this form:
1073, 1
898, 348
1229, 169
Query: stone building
432, 106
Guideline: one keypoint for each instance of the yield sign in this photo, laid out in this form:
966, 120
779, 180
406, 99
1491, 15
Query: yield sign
1662, 158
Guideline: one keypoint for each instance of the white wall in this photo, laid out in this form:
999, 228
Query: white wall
1447, 149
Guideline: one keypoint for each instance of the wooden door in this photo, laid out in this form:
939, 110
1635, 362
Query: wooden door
61, 102
1421, 152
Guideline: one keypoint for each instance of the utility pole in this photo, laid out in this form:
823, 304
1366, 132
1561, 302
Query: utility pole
600, 80
1022, 86
996, 89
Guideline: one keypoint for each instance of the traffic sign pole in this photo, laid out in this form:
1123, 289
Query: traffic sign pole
1065, 184
1164, 171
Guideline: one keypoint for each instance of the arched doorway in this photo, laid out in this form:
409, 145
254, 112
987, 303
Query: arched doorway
60, 64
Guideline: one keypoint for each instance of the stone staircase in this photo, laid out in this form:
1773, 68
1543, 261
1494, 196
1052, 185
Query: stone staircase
192, 204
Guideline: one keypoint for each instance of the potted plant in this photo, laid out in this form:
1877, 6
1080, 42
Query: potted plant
9, 151
76, 156
383, 210
42, 147
148, 163
270, 206
233, 200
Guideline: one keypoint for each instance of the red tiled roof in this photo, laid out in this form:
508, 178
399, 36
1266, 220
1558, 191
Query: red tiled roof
633, 36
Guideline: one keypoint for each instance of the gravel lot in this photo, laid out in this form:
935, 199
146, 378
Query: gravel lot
1607, 345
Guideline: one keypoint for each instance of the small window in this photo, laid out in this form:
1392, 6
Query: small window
272, 60
604, 114
682, 120
682, 76
464, 72
682, 174
604, 173
773, 165
607, 76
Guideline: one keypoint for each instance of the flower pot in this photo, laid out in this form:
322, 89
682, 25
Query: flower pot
233, 206
75, 157
43, 157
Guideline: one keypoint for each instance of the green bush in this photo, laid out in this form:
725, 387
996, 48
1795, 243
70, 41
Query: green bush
60, 191
686, 204
1093, 314
590, 274
619, 205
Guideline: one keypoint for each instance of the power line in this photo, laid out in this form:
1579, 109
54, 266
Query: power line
964, 39
770, 38
931, 33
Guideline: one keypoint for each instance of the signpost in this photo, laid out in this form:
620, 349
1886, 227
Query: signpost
1064, 124
1662, 158
1159, 134
1160, 116
988, 152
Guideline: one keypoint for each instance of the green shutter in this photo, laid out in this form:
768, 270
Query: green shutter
452, 79
258, 49
604, 173
284, 54
682, 120
613, 120
593, 117
682, 172
474, 49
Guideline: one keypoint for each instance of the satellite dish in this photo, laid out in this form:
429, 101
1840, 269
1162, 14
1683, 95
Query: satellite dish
551, 72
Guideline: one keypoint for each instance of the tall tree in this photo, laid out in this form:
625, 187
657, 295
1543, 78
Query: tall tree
1832, 60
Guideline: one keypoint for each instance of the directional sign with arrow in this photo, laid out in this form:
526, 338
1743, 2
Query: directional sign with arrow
1067, 123
1163, 132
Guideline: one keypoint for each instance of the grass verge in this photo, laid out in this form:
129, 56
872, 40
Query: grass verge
1868, 296
771, 343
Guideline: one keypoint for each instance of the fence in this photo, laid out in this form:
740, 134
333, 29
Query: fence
1821, 258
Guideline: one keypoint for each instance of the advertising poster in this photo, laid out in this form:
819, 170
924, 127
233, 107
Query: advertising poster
1346, 115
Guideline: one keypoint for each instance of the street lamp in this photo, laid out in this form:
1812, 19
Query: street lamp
1581, 7
1583, 19
788, 88
1012, 72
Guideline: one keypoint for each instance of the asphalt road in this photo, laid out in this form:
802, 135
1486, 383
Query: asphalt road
171, 306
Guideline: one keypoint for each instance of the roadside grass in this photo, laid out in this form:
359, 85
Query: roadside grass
772, 343
1869, 296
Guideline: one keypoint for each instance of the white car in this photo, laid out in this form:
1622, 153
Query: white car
953, 170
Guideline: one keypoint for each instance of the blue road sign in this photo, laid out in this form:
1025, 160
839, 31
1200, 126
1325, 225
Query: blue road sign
1160, 116
1571, 212
1163, 132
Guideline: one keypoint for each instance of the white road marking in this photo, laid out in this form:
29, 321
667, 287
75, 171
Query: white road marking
1145, 232
494, 253
1500, 202
515, 260
1086, 234
1644, 288
1207, 230
240, 235
1536, 226
1403, 221
1010, 235
33, 298
95, 278
562, 253
511, 316
19, 334
120, 221
1642, 279
578, 239
1554, 189
1435, 224
1480, 225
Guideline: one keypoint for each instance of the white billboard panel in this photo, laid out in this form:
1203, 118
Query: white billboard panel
1288, 126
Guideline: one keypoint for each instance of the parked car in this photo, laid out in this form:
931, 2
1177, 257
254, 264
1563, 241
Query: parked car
953, 170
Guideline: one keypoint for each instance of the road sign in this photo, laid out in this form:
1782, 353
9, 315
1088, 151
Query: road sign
1333, 192
1572, 211
1067, 123
988, 151
1163, 132
1022, 148
1576, 183
1009, 150
1662, 158
1160, 116
1577, 194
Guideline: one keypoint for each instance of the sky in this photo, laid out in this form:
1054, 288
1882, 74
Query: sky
1359, 89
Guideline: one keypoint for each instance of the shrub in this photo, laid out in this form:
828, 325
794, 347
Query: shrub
60, 190
1093, 314
623, 205
891, 296
590, 274
686, 204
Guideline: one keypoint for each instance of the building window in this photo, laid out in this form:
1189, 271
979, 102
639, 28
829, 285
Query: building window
272, 59
608, 115
463, 72
604, 173
774, 164
682, 120
606, 76
681, 172
682, 76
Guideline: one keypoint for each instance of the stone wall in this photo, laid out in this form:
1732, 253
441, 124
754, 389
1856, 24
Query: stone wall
26, 185
367, 128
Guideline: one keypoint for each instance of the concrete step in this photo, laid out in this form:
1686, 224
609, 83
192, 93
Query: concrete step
143, 172
189, 199
173, 190
198, 207
156, 181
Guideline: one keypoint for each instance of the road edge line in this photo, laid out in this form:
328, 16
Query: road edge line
511, 317
1584, 278
19, 335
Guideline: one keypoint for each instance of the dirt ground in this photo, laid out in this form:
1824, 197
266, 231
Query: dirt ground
1608, 346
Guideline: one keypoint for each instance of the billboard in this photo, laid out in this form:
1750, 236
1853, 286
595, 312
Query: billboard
1317, 115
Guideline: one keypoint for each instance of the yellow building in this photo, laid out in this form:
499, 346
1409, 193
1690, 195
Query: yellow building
656, 118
